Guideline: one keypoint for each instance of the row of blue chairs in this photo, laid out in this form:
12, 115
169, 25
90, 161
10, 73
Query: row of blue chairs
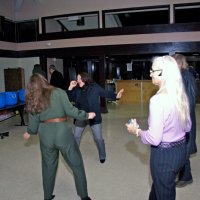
11, 98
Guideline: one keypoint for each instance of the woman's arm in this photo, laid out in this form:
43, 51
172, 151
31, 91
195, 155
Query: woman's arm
154, 133
72, 111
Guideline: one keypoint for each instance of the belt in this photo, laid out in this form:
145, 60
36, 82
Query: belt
53, 120
166, 145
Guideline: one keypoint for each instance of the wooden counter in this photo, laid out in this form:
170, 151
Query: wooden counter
13, 108
136, 91
140, 91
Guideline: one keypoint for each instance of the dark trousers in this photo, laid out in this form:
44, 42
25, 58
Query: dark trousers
165, 164
185, 172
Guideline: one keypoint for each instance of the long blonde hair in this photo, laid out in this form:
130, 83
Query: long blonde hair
172, 84
38, 94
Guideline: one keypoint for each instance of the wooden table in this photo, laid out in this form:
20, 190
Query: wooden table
12, 109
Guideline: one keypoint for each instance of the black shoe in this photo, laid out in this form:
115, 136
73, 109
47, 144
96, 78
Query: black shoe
52, 197
102, 160
86, 198
180, 184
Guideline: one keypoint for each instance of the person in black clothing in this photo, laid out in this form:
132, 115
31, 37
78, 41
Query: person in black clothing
37, 69
185, 175
57, 79
87, 97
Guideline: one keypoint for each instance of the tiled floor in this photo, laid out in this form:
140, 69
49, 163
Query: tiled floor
124, 176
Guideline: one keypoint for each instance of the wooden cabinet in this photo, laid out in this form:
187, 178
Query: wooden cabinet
14, 79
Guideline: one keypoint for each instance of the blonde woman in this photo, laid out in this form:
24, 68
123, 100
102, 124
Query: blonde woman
48, 109
168, 122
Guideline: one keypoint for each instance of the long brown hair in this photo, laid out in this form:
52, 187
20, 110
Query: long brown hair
38, 94
85, 77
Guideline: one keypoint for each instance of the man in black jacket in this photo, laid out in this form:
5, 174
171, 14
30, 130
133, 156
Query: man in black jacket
86, 97
185, 175
57, 79
37, 69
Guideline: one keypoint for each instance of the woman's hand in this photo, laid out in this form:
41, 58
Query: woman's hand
72, 85
91, 115
119, 94
133, 127
130, 128
26, 135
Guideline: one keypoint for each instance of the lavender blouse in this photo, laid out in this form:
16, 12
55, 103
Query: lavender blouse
164, 125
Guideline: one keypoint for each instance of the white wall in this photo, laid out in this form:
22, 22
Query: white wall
113, 40
26, 63
31, 9
34, 8
37, 8
7, 9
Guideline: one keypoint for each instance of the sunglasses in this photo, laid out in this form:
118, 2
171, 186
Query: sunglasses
156, 70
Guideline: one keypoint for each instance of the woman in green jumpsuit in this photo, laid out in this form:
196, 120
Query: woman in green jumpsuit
48, 109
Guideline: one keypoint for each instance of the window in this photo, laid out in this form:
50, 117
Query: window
186, 13
27, 30
9, 31
136, 16
72, 22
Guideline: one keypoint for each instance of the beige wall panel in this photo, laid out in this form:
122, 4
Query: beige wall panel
136, 91
31, 9
132, 91
148, 90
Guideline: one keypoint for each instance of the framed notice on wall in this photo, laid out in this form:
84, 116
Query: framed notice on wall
129, 67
